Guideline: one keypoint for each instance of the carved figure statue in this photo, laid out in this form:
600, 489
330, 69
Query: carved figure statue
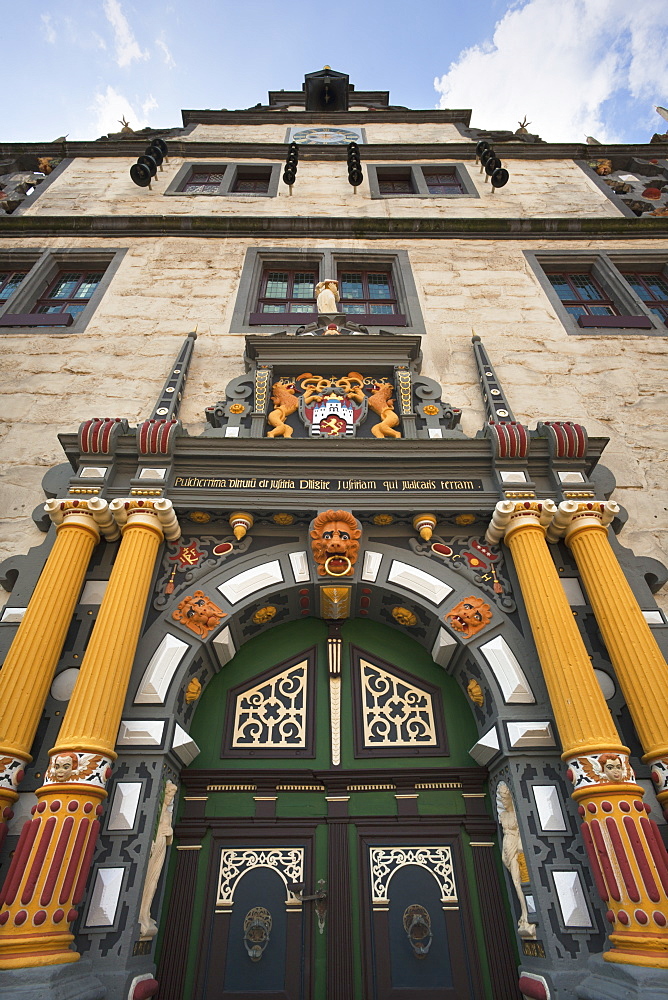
335, 542
285, 402
381, 403
327, 296
512, 853
199, 614
71, 766
469, 616
163, 837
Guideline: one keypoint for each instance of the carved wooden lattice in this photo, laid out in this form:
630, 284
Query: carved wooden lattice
385, 861
288, 862
273, 712
395, 712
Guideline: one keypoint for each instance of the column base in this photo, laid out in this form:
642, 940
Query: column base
55, 982
613, 981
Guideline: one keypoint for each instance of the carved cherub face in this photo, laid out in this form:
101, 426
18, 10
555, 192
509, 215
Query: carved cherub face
613, 767
469, 616
64, 765
335, 542
198, 613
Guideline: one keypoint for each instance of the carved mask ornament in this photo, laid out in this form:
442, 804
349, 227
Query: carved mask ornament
469, 616
199, 614
335, 542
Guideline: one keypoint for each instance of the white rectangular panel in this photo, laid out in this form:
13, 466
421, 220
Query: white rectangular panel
571, 899
124, 805
419, 582
548, 804
246, 583
573, 591
653, 617
93, 592
223, 644
104, 898
299, 563
158, 675
511, 678
140, 733
13, 614
530, 734
371, 565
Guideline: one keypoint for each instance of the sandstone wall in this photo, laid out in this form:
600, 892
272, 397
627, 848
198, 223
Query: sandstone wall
374, 131
536, 189
165, 287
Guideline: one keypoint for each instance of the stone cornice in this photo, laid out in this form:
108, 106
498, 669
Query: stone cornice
340, 118
414, 151
335, 227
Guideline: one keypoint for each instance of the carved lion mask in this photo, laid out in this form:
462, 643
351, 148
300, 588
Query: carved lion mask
335, 542
199, 614
469, 616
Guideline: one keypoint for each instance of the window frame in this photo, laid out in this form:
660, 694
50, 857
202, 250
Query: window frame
291, 318
606, 267
230, 172
420, 188
395, 318
327, 263
17, 312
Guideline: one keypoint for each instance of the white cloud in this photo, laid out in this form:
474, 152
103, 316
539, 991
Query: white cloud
167, 55
127, 46
48, 29
558, 63
109, 107
150, 104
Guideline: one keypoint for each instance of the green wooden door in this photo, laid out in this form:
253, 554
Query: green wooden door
315, 879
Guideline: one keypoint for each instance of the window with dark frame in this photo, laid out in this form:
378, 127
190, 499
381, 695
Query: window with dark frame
367, 293
287, 293
252, 180
397, 181
652, 289
442, 181
203, 182
581, 295
9, 282
69, 293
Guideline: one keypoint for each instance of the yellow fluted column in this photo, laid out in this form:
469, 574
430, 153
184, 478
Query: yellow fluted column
640, 667
626, 854
47, 879
30, 664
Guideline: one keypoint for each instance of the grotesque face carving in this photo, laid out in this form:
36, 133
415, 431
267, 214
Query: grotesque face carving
469, 616
199, 614
335, 542
64, 767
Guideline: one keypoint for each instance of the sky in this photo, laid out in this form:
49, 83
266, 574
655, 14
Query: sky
572, 67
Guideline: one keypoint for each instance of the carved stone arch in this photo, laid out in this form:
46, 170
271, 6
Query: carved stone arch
393, 580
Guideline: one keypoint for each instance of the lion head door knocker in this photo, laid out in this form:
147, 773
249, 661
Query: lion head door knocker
257, 928
417, 924
335, 542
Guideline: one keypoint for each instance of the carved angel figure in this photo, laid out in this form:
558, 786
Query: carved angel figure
163, 837
511, 851
381, 403
286, 402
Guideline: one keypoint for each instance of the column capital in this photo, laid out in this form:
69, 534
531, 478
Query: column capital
511, 515
92, 514
154, 514
573, 516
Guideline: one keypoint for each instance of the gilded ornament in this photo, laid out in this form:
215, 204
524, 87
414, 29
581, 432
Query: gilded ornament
383, 519
240, 523
404, 617
283, 518
335, 542
334, 603
465, 519
430, 410
237, 408
199, 614
285, 402
193, 691
469, 616
381, 402
475, 692
263, 615
424, 524
199, 516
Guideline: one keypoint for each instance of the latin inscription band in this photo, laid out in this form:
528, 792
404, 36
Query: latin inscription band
333, 485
